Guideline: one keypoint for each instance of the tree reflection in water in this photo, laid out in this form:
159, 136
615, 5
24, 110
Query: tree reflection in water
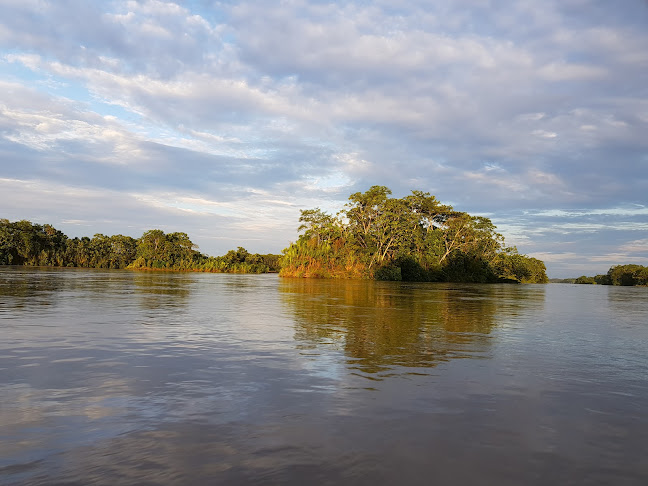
384, 325
162, 290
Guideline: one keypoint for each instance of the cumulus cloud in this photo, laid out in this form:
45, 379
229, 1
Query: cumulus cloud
216, 111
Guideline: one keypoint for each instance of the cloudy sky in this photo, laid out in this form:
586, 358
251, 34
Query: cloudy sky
224, 119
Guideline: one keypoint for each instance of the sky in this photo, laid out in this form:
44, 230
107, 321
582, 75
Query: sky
224, 119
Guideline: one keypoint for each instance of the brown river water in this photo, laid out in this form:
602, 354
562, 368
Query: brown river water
119, 377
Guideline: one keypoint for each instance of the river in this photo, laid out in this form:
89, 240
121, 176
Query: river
119, 377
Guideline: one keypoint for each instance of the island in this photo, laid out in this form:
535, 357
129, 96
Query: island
374, 236
414, 238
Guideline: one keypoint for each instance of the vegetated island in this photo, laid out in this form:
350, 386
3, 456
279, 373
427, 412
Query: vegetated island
24, 243
415, 238
626, 275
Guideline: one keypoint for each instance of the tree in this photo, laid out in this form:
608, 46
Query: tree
151, 250
362, 211
24, 243
628, 275
8, 247
602, 280
412, 238
319, 225
470, 234
123, 250
158, 250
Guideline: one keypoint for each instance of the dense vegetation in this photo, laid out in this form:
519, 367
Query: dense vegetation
415, 238
626, 275
24, 243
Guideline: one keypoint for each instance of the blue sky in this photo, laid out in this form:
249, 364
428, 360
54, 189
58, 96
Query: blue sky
224, 119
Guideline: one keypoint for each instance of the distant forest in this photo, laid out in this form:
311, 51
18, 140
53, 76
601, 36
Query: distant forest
415, 238
627, 275
25, 243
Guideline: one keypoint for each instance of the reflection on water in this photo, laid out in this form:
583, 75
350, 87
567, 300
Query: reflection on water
380, 325
116, 377
162, 290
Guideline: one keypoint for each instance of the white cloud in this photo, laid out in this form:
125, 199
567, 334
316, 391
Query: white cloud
544, 134
636, 246
156, 8
571, 72
487, 105
637, 210
588, 227
47, 131
531, 116
618, 258
558, 257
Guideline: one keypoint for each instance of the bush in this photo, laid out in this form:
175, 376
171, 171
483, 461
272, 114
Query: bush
388, 272
411, 270
603, 280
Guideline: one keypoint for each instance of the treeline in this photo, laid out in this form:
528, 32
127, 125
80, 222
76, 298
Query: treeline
415, 238
25, 243
627, 275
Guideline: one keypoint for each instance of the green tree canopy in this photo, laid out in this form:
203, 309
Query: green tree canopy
415, 237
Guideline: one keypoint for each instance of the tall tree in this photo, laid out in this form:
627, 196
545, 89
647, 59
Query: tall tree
415, 237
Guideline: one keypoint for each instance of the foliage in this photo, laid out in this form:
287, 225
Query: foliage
562, 280
390, 272
239, 261
509, 264
415, 238
156, 250
24, 243
602, 280
626, 275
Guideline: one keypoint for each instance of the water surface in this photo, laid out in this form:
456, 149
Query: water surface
117, 377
